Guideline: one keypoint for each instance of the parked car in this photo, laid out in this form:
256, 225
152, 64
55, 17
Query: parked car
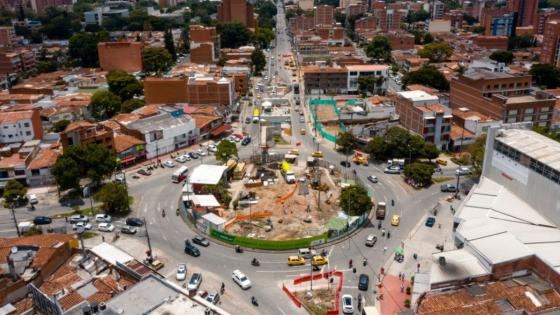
393, 170
347, 304
345, 163
78, 218
448, 188
85, 225
134, 222
372, 178
127, 229
212, 148
102, 218
195, 281
181, 159
463, 170
248, 120
157, 265
430, 221
319, 260
42, 220
169, 164
302, 119
181, 272
201, 152
241, 279
371, 240
193, 155
106, 227
213, 298
363, 282
32, 199
246, 140
144, 172
200, 240
191, 249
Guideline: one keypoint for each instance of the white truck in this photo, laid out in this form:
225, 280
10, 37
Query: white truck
288, 173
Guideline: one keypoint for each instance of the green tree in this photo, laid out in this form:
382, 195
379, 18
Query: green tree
123, 85
366, 84
258, 60
545, 75
60, 125
114, 198
104, 105
233, 34
346, 142
428, 38
436, 52
170, 44
420, 15
379, 49
427, 75
469, 19
479, 29
376, 147
476, 151
225, 150
521, 42
13, 190
130, 105
502, 56
101, 162
547, 133
397, 143
66, 173
420, 173
430, 151
263, 37
156, 59
354, 200
220, 191
267, 12
82, 47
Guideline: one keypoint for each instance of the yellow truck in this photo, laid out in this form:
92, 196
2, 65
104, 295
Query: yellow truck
360, 158
239, 171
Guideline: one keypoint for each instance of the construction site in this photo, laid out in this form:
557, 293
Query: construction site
284, 200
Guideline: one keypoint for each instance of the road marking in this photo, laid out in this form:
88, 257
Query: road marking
284, 271
281, 310
348, 287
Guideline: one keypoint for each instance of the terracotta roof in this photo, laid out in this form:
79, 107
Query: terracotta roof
47, 240
78, 125
124, 142
5, 97
457, 132
14, 117
367, 67
433, 108
204, 120
18, 107
316, 69
52, 111
111, 124
74, 100
126, 118
470, 114
11, 161
44, 159
147, 110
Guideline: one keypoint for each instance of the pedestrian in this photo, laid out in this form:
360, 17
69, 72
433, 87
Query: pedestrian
384, 249
66, 219
418, 267
378, 278
402, 288
103, 238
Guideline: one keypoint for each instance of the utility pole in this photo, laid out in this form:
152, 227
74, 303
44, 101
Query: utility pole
14, 217
150, 255
458, 174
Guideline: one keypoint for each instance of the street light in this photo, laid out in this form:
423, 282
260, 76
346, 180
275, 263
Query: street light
458, 174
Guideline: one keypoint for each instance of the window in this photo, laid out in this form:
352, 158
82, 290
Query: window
496, 86
545, 109
512, 112
527, 118
543, 117
35, 173
28, 133
10, 136
19, 172
528, 111
26, 124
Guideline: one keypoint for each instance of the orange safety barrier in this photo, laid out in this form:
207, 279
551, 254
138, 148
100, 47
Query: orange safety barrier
324, 275
291, 296
281, 199
256, 215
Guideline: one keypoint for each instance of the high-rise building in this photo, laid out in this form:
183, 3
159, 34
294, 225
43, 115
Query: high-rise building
526, 11
7, 36
237, 10
438, 9
501, 25
551, 40
324, 15
204, 44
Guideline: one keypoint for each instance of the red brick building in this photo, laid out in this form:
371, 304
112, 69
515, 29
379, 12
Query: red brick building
545, 16
7, 36
551, 36
488, 14
400, 40
491, 42
526, 11
301, 23
196, 90
356, 9
125, 56
323, 15
204, 44
84, 132
39, 6
237, 10
366, 23
17, 61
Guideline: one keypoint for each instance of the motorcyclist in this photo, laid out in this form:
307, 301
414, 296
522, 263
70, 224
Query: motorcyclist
253, 300
255, 261
163, 212
177, 212
350, 263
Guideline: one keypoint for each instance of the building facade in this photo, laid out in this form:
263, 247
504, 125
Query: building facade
237, 10
323, 15
319, 80
550, 52
379, 73
20, 126
196, 90
125, 56
204, 44
7, 37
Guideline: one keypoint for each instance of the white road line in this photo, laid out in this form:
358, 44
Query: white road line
284, 271
281, 310
348, 287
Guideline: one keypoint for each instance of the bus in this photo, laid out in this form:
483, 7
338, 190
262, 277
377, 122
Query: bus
180, 174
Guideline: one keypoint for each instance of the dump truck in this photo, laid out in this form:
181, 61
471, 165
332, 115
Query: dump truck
288, 173
360, 158
380, 211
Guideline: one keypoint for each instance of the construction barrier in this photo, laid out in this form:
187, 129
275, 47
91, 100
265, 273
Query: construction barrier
287, 196
291, 296
317, 276
256, 215
268, 244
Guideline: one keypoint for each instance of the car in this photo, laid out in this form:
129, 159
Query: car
200, 240
395, 220
181, 273
119, 178
371, 240
201, 152
144, 172
430, 221
241, 279
193, 155
213, 298
345, 163
448, 188
363, 282
317, 154
248, 120
83, 225
169, 164
187, 157
301, 119
463, 170
191, 249
212, 148
106, 227
347, 304
42, 220
372, 178
441, 162
181, 159
246, 140
102, 218
78, 218
437, 169
393, 170
195, 281
296, 261
157, 264
319, 260
127, 229
134, 222
32, 199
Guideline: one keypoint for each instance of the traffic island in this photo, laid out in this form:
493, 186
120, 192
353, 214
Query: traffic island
319, 302
318, 294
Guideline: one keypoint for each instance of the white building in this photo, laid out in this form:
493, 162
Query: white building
378, 72
20, 126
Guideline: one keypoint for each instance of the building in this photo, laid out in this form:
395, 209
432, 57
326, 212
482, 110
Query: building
319, 80
356, 9
526, 11
497, 21
125, 56
438, 9
456, 18
439, 26
550, 52
84, 132
421, 113
129, 150
301, 23
491, 42
38, 171
39, 6
237, 10
305, 5
400, 40
380, 74
97, 15
388, 16
502, 96
7, 37
323, 15
20, 126
17, 62
204, 44
546, 15
165, 132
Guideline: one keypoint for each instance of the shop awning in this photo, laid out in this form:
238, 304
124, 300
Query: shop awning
128, 159
219, 130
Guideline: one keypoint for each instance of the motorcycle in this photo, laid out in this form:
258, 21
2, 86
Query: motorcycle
255, 262
238, 249
254, 301
222, 288
324, 253
163, 213
177, 212
388, 234
364, 262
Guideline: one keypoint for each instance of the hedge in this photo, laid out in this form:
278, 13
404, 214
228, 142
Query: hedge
267, 244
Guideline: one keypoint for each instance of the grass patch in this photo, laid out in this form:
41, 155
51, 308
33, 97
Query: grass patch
88, 235
441, 179
86, 211
279, 140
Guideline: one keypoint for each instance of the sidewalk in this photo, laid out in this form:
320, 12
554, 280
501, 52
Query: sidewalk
393, 294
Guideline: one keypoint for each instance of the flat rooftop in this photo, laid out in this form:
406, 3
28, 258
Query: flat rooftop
417, 96
532, 144
482, 74
158, 122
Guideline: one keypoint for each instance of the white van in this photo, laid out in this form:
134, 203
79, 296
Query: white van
32, 199
306, 252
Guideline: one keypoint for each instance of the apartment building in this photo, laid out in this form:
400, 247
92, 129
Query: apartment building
323, 15
421, 113
498, 22
526, 11
301, 23
125, 56
319, 80
544, 16
356, 9
20, 126
7, 37
550, 52
98, 14
204, 44
84, 132
491, 42
388, 17
366, 23
502, 96
380, 73
438, 9
237, 10
17, 62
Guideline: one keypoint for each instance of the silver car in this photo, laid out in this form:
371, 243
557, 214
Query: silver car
195, 281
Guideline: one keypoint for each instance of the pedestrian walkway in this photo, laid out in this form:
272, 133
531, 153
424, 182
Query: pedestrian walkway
393, 294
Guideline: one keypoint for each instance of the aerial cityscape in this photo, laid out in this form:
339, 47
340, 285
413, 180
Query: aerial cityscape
279, 157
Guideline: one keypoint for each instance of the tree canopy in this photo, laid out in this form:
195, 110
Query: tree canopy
476, 151
130, 105
427, 75
354, 200
436, 51
124, 85
114, 198
419, 173
233, 34
104, 105
346, 142
379, 49
60, 125
170, 44
66, 173
13, 190
504, 56
399, 143
225, 150
267, 12
82, 47
545, 75
263, 37
156, 59
418, 16
258, 61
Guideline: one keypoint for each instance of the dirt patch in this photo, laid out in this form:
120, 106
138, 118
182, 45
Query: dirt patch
320, 302
326, 114
332, 129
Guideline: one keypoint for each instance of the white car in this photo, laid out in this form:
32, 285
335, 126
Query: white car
103, 218
78, 218
181, 272
84, 225
463, 170
372, 178
241, 279
32, 199
347, 304
106, 227
201, 152
181, 159
212, 148
169, 164
195, 281
393, 170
